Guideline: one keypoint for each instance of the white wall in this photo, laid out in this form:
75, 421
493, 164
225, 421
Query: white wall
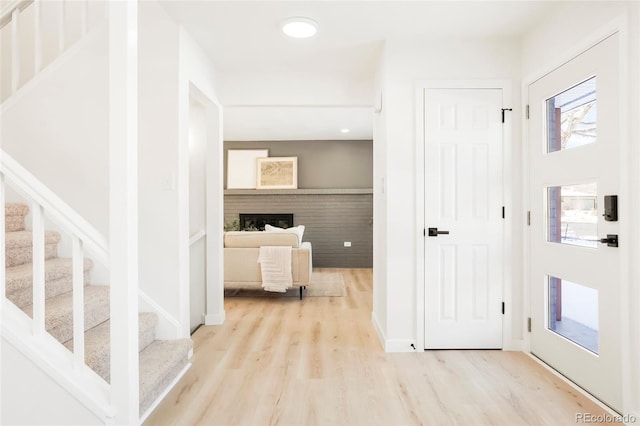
31, 397
198, 82
158, 154
172, 65
406, 63
57, 128
555, 40
379, 314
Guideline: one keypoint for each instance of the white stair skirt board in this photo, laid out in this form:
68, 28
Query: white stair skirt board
162, 362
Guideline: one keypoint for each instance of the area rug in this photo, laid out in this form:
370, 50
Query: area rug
323, 284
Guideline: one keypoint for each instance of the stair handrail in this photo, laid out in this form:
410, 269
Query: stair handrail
8, 7
55, 207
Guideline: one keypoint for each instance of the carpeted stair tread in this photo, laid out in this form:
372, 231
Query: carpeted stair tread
21, 239
160, 363
58, 279
59, 311
97, 353
16, 209
14, 214
19, 247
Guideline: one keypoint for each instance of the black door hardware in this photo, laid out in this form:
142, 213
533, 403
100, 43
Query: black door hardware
610, 208
433, 232
611, 240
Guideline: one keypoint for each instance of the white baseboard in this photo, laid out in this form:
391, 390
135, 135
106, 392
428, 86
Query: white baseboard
376, 326
513, 345
400, 345
215, 319
392, 345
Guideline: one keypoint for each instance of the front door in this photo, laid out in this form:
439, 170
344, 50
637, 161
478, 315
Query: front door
574, 277
464, 218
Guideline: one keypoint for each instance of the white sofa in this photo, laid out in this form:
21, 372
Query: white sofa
241, 251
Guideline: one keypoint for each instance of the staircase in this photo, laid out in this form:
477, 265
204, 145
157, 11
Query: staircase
160, 361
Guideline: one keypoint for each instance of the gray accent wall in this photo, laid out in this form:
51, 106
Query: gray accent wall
330, 219
321, 164
334, 200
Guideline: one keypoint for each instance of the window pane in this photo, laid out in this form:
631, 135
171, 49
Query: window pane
573, 312
573, 215
571, 117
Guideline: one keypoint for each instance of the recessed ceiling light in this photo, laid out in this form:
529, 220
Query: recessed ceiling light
344, 130
300, 27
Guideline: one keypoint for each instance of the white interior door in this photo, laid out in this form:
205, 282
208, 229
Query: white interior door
463, 196
574, 279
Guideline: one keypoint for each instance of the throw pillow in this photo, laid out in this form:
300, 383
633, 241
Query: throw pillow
298, 230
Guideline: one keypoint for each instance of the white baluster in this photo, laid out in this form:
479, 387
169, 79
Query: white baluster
78, 303
38, 268
61, 24
37, 37
85, 16
15, 51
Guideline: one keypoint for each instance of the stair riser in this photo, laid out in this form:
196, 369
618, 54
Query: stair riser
14, 223
21, 255
24, 295
101, 359
60, 325
94, 314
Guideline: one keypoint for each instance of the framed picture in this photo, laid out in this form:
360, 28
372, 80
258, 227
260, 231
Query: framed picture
241, 167
277, 173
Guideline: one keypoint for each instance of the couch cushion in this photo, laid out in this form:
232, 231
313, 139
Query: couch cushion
245, 239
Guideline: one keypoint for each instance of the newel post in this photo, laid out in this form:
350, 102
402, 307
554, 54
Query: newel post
123, 208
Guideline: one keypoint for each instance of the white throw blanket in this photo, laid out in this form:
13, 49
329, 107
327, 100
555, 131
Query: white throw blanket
275, 265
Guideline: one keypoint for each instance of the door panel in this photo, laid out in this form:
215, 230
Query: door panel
463, 195
575, 288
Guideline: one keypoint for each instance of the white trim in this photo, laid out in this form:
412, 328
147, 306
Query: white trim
15, 51
84, 384
420, 87
513, 345
197, 237
376, 325
215, 319
400, 345
123, 209
164, 393
577, 388
587, 43
61, 26
166, 322
57, 210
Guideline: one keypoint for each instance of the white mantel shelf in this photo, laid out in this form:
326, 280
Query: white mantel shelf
318, 191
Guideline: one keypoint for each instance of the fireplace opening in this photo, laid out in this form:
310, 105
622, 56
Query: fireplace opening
259, 220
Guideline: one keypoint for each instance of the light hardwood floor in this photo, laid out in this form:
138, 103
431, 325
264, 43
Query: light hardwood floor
319, 362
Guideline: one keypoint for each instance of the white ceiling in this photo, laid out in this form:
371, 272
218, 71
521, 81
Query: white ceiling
277, 88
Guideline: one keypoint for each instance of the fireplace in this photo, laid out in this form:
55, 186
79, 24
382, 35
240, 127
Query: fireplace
259, 220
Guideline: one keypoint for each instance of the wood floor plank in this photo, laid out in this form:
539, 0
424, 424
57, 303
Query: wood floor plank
282, 361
